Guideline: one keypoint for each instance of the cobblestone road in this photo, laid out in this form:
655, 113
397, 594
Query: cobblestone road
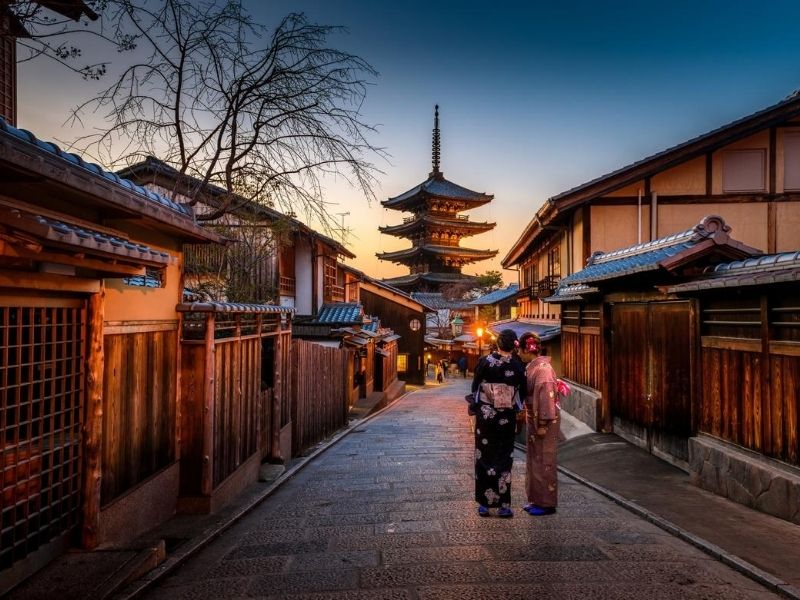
387, 513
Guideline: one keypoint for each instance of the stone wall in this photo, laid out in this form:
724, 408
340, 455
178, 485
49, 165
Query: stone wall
583, 403
745, 477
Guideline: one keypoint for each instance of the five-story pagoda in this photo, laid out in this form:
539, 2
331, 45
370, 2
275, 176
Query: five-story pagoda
435, 229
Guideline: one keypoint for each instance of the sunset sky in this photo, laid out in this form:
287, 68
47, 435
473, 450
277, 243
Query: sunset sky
535, 97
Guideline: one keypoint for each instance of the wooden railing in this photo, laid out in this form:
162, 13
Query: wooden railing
334, 293
547, 286
287, 286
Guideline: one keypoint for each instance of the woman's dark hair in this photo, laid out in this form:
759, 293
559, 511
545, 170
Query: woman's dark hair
506, 339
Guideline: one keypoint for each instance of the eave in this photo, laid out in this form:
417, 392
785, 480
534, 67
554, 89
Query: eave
467, 228
414, 251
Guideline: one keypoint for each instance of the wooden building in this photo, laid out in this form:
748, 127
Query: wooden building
402, 313
271, 257
692, 356
90, 275
747, 171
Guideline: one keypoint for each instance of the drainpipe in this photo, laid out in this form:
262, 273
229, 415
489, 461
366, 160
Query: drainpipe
639, 218
654, 216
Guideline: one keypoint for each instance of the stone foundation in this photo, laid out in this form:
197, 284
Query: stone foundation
583, 403
745, 477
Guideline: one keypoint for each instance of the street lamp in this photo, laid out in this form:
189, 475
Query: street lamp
457, 325
479, 332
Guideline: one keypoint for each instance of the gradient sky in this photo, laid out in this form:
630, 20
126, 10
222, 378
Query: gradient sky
535, 97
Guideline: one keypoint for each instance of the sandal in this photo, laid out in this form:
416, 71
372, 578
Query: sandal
539, 511
483, 511
505, 512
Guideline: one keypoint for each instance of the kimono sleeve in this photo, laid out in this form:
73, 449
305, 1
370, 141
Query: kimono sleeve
545, 393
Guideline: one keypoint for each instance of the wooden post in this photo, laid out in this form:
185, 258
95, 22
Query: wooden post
93, 423
207, 476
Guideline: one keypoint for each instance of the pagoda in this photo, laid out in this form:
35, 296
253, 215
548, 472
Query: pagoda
435, 229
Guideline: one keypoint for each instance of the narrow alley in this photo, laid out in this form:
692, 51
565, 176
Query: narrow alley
387, 512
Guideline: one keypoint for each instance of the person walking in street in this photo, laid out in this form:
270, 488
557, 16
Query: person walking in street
497, 387
542, 426
462, 365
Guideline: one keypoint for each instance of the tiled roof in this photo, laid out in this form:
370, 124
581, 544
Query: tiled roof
440, 187
96, 170
644, 257
335, 313
437, 301
545, 330
470, 253
427, 277
232, 307
569, 293
497, 295
760, 270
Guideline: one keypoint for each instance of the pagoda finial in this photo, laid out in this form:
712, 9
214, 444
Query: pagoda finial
436, 152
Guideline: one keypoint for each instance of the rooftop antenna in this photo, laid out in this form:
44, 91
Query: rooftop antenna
436, 152
342, 230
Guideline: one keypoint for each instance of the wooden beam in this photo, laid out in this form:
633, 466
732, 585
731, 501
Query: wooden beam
772, 228
49, 282
709, 174
772, 156
75, 260
93, 423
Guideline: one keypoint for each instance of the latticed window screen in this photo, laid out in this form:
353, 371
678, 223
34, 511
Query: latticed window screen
41, 401
8, 73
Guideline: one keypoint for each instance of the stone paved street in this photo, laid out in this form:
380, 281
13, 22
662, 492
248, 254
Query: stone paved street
387, 513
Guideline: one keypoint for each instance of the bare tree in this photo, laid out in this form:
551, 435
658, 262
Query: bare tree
263, 114
51, 29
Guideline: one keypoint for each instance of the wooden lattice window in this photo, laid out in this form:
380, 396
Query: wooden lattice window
732, 317
8, 74
41, 404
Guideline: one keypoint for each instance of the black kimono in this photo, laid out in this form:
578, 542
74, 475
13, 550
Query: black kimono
494, 430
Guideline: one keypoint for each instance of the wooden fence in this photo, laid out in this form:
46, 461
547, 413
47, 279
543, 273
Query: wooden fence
139, 408
321, 387
751, 373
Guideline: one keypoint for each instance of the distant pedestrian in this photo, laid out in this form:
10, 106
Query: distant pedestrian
542, 423
462, 365
439, 373
498, 384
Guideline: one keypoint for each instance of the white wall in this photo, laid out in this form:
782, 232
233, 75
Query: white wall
302, 276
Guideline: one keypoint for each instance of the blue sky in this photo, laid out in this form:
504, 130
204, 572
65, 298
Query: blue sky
535, 97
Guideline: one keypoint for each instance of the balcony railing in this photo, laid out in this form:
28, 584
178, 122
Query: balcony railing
287, 286
334, 293
547, 286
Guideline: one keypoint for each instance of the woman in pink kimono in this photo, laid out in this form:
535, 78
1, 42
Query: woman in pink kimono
542, 427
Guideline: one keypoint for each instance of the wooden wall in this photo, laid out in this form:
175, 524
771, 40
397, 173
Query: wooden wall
751, 372
398, 317
581, 345
139, 408
320, 393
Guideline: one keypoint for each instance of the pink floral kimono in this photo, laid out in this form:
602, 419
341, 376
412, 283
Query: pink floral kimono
543, 414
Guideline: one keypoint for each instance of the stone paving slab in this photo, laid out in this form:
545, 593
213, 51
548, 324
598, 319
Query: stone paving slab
387, 513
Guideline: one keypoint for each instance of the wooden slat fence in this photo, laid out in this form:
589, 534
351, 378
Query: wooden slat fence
320, 393
751, 373
139, 409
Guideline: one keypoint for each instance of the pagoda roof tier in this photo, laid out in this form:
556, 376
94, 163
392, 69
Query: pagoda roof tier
469, 254
436, 186
416, 279
465, 226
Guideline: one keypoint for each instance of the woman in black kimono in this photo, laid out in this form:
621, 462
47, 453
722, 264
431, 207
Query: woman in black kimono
498, 385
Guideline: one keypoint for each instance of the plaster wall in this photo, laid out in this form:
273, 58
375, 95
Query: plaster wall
788, 226
302, 275
614, 227
686, 178
135, 303
748, 221
576, 231
628, 190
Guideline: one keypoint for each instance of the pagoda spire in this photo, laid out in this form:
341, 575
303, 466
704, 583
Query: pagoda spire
436, 151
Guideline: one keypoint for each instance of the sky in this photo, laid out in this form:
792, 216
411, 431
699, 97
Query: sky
535, 97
